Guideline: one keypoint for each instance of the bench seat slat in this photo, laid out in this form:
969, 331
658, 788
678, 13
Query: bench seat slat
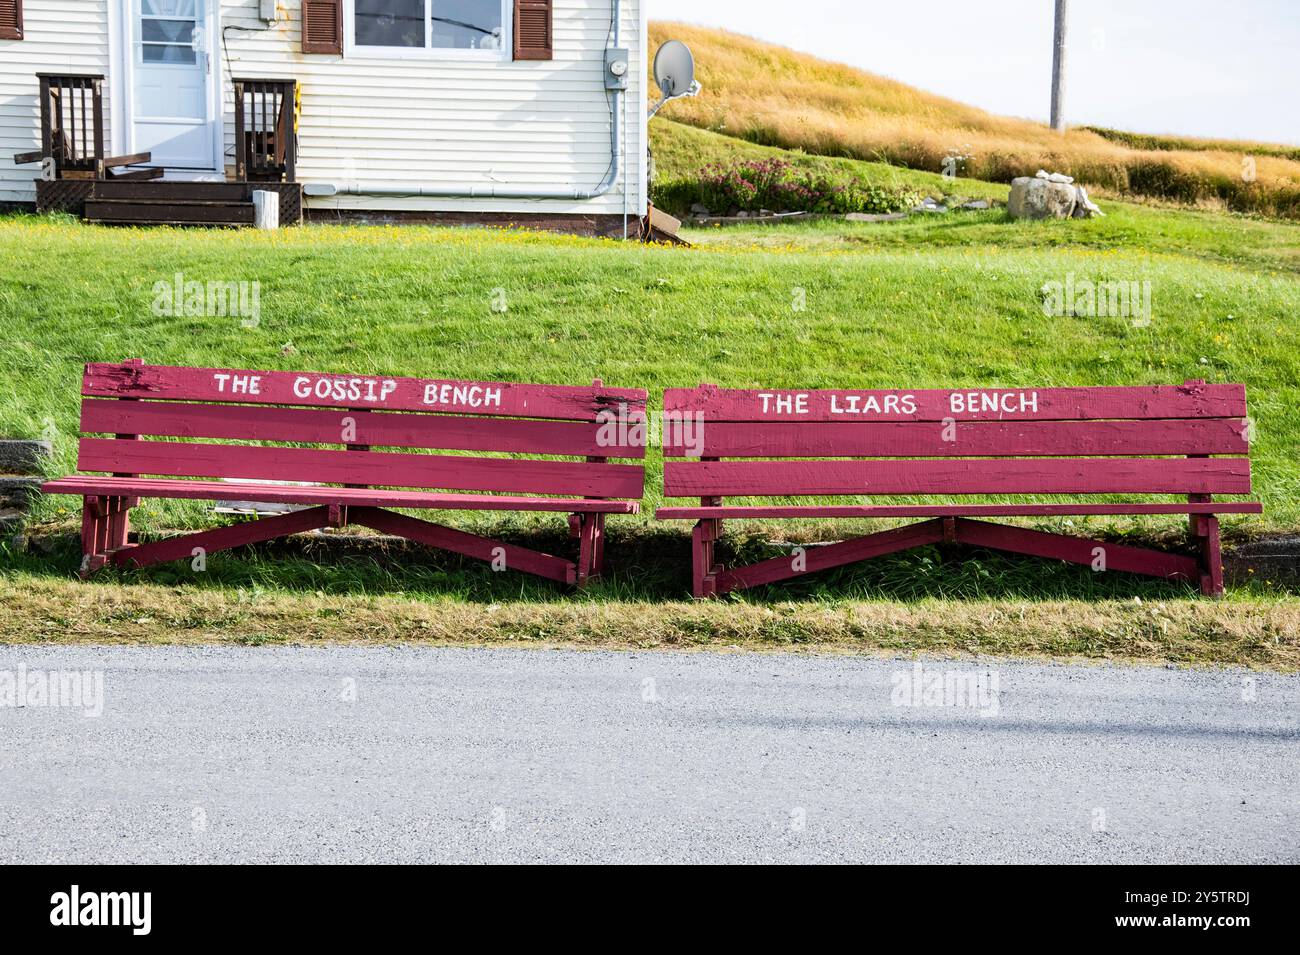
314, 389
966, 476
742, 511
375, 429
1192, 400
798, 439
388, 469
353, 497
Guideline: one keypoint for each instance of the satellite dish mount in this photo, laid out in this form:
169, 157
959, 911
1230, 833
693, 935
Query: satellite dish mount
674, 73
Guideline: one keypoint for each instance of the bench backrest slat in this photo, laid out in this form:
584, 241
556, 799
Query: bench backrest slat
1112, 440
432, 471
905, 439
392, 393
973, 404
354, 415
373, 428
1005, 476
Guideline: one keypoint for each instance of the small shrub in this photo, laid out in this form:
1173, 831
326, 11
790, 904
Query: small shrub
1166, 180
783, 187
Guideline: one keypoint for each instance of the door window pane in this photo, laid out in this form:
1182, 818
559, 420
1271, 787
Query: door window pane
167, 53
168, 8
390, 23
167, 31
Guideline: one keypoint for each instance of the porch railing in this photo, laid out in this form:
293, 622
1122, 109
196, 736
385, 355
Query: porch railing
72, 131
72, 123
266, 130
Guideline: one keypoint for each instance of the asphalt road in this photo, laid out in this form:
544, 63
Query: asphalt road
422, 755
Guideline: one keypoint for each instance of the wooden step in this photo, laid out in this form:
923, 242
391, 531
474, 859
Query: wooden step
145, 174
206, 191
169, 212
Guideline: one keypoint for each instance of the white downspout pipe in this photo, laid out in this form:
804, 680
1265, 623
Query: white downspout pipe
491, 190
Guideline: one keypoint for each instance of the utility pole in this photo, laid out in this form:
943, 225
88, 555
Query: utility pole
1058, 67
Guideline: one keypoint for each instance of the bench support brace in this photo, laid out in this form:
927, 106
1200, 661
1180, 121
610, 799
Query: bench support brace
222, 538
104, 529
500, 555
1207, 571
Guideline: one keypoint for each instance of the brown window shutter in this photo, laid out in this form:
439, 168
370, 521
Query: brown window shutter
11, 19
322, 26
533, 30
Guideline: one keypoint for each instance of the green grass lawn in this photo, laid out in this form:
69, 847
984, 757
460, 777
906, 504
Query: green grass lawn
935, 302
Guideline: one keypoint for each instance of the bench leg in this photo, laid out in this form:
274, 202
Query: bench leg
598, 557
591, 547
94, 534
704, 579
589, 529
105, 528
120, 522
586, 548
1205, 529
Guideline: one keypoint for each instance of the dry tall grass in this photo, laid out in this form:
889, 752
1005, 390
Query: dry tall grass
779, 97
1199, 632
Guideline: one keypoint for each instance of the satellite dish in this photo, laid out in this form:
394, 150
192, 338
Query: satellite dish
674, 69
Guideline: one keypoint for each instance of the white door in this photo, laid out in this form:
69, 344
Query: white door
171, 61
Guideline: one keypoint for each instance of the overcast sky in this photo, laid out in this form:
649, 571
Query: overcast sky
1228, 68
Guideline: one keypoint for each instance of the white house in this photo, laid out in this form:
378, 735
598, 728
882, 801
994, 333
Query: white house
438, 109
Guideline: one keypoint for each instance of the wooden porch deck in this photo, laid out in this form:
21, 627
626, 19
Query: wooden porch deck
77, 177
163, 202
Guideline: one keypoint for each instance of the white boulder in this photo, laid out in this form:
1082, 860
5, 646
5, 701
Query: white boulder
1034, 198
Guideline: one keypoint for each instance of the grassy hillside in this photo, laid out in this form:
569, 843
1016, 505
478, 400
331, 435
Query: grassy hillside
774, 96
679, 150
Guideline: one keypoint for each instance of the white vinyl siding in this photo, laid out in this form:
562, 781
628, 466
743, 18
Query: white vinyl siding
434, 121
60, 36
453, 123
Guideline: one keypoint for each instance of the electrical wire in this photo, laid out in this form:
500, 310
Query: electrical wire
230, 72
609, 94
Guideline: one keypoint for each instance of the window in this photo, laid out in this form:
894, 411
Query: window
472, 27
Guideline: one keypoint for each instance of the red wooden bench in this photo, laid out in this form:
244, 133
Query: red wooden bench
352, 415
1189, 439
